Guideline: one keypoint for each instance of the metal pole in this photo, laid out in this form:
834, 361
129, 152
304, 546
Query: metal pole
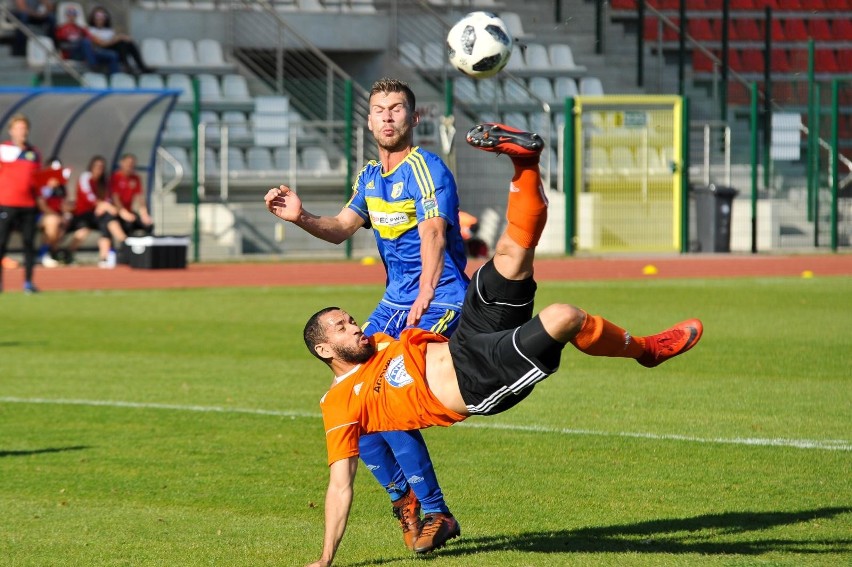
815, 133
723, 86
754, 127
706, 154
835, 151
767, 101
640, 43
348, 114
569, 173
812, 120
681, 49
196, 114
684, 177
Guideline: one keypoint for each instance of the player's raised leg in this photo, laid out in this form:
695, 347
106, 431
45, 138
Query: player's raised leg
526, 211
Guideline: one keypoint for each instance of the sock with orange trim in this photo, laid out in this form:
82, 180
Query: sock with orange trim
527, 208
599, 337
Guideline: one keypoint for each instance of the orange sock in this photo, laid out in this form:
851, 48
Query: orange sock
527, 209
599, 337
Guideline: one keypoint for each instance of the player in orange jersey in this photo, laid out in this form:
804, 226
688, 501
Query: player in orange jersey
492, 362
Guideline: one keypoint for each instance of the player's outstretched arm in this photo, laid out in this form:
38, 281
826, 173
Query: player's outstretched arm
338, 501
285, 204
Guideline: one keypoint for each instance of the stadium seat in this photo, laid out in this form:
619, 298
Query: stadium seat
794, 30
122, 81
842, 27
179, 126
745, 29
516, 60
309, 6
780, 61
561, 57
564, 87
286, 5
362, 6
434, 55
819, 29
259, 159
236, 159
182, 52
844, 61
701, 62
464, 90
155, 52
516, 120
752, 60
489, 90
208, 87
211, 162
38, 50
700, 30
778, 31
591, 86
282, 157
539, 122
237, 124
152, 81
210, 119
410, 55
785, 5
182, 82
543, 88
514, 24
315, 159
94, 80
209, 53
271, 128
235, 88
515, 92
825, 61
536, 57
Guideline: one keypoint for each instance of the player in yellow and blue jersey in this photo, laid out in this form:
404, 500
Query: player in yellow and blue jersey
409, 198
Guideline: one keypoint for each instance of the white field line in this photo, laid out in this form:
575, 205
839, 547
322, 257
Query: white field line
819, 444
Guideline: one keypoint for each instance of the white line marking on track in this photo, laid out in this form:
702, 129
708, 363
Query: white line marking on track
819, 444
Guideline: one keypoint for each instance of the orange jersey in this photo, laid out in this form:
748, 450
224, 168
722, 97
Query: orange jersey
387, 393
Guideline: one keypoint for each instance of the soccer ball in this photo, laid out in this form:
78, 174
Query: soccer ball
479, 45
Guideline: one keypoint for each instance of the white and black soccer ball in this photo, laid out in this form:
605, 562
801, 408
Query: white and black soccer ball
479, 45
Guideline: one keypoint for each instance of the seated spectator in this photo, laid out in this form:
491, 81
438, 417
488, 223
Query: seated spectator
76, 44
125, 188
54, 211
32, 13
104, 36
92, 211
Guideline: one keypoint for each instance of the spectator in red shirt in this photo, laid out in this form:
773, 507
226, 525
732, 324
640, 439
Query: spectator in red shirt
92, 210
76, 43
19, 162
55, 212
125, 188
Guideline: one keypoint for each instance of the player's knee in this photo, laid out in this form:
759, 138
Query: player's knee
563, 321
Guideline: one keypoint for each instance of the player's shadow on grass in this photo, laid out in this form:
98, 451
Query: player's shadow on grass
42, 451
711, 534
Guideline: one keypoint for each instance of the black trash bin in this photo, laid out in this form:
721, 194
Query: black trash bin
713, 204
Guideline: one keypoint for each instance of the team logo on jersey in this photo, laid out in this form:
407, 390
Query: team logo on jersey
370, 185
430, 204
396, 191
357, 388
396, 375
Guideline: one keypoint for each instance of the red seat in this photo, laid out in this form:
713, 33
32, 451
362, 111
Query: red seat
670, 33
734, 61
839, 5
701, 62
842, 29
780, 61
825, 61
623, 4
713, 4
844, 60
745, 29
743, 5
652, 32
819, 30
778, 30
788, 5
699, 29
794, 30
752, 60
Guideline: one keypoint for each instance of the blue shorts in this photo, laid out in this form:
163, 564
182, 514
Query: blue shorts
441, 319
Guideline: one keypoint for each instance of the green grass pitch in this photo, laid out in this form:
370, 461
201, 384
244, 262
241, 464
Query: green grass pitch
181, 428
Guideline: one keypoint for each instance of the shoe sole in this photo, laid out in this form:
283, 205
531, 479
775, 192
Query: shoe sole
696, 329
453, 535
502, 139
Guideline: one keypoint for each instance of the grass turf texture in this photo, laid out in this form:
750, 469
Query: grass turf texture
221, 460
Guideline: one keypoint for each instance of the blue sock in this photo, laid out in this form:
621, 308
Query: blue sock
411, 454
379, 459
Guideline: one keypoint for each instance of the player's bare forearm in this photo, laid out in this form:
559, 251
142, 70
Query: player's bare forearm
433, 243
285, 204
338, 501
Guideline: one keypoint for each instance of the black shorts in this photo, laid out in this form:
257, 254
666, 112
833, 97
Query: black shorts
500, 351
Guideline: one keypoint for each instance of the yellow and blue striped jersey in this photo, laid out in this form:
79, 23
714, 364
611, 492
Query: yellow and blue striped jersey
421, 187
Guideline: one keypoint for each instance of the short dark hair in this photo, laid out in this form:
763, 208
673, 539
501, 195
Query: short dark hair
387, 85
314, 332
